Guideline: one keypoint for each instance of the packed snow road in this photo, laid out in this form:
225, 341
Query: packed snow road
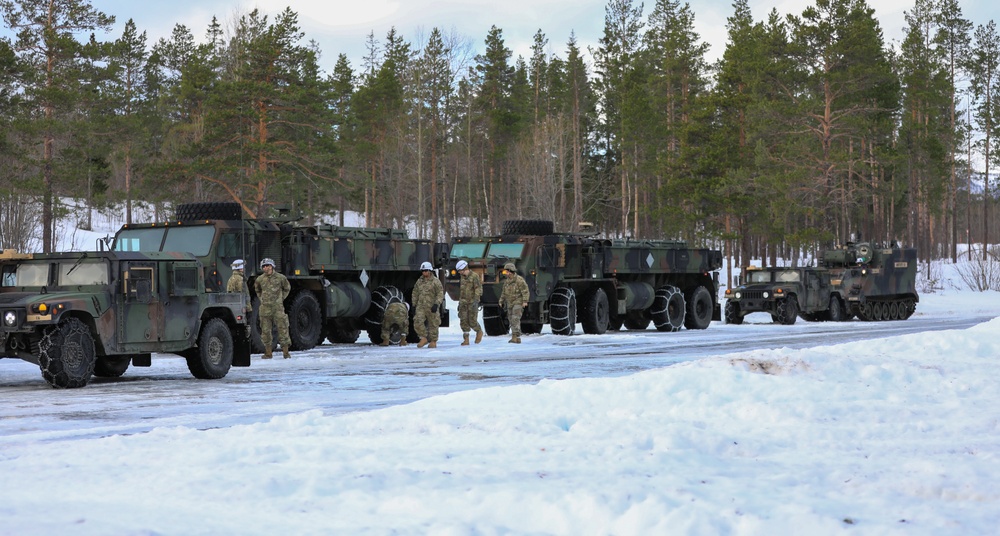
359, 377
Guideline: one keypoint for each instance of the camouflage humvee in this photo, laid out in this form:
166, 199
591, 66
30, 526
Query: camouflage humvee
785, 293
878, 283
81, 314
602, 283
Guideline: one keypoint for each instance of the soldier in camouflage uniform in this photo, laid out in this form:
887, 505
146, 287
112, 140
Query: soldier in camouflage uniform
272, 288
238, 283
470, 291
514, 298
395, 321
427, 297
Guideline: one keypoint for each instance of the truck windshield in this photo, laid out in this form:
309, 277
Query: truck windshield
758, 276
510, 251
788, 276
468, 251
86, 273
26, 275
196, 240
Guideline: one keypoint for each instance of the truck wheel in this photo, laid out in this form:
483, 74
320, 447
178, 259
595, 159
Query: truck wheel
562, 311
214, 354
305, 321
342, 331
112, 366
615, 322
699, 309
495, 321
836, 312
788, 310
527, 227
208, 211
594, 315
668, 308
381, 299
733, 315
66, 354
637, 319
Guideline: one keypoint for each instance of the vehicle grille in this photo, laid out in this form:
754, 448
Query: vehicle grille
752, 295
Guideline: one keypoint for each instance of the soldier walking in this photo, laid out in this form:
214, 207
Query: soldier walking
514, 298
272, 288
427, 297
470, 291
395, 322
238, 283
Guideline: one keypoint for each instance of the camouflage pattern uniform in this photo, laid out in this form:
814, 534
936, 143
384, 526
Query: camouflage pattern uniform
470, 292
237, 283
427, 293
272, 289
396, 319
513, 297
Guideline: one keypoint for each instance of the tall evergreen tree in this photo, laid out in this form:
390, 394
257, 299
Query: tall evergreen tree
984, 66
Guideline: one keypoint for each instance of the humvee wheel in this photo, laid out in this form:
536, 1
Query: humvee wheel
305, 321
835, 313
112, 366
381, 299
595, 312
699, 309
733, 315
638, 319
788, 310
562, 311
495, 321
668, 309
214, 355
66, 354
341, 331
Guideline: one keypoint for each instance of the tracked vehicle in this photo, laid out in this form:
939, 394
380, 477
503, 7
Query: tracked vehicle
602, 284
877, 283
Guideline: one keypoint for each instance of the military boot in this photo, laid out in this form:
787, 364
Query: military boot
385, 342
479, 337
267, 353
465, 339
433, 344
513, 338
402, 342
422, 343
284, 352
516, 339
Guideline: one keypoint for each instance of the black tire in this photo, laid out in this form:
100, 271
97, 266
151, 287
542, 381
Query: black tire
530, 329
699, 308
381, 299
342, 331
668, 309
788, 310
495, 321
66, 354
112, 366
637, 320
214, 355
615, 322
527, 227
562, 311
209, 211
305, 321
733, 314
595, 313
836, 311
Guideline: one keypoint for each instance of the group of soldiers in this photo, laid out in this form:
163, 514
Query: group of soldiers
272, 289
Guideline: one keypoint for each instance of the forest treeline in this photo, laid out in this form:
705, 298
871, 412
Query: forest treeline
810, 129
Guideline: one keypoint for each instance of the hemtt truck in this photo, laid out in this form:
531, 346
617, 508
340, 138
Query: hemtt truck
342, 278
94, 313
601, 283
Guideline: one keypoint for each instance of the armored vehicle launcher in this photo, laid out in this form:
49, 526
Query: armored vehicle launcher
878, 283
601, 283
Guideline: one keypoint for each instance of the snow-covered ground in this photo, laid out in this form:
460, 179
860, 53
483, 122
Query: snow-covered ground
890, 436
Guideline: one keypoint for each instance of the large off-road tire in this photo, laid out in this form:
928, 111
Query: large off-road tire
788, 310
700, 307
305, 321
668, 309
342, 331
208, 211
835, 313
638, 319
595, 312
733, 313
112, 366
495, 321
527, 227
66, 354
562, 311
214, 355
381, 298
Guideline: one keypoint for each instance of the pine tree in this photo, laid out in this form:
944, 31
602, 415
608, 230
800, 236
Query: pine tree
984, 66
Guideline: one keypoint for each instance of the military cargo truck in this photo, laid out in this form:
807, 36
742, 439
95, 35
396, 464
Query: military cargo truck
342, 278
603, 284
785, 293
878, 283
94, 313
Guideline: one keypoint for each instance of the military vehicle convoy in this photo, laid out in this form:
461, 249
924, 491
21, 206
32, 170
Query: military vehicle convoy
77, 315
861, 280
342, 278
603, 284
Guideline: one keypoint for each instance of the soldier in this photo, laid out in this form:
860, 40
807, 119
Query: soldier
427, 297
514, 298
238, 283
272, 288
395, 320
470, 291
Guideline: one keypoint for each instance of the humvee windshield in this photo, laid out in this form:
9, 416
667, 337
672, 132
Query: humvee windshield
196, 240
468, 251
85, 273
787, 276
511, 251
758, 276
26, 275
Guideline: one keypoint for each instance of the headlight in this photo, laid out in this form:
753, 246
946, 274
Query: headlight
739, 294
767, 294
10, 318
